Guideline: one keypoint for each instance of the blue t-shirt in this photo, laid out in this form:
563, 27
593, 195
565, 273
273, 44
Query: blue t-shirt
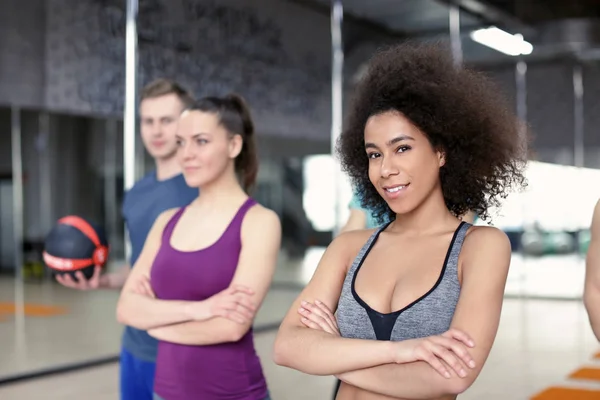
355, 204
143, 203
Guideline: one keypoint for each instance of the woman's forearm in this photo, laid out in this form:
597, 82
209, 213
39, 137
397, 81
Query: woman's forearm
320, 353
415, 380
145, 313
201, 333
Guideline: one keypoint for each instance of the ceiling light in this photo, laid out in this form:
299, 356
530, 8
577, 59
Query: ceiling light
502, 41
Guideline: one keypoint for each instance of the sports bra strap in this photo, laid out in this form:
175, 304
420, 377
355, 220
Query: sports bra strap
168, 230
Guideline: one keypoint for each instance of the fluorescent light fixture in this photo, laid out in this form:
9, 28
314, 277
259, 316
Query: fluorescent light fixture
502, 41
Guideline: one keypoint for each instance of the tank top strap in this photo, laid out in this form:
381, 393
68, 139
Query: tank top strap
168, 231
456, 246
235, 227
366, 248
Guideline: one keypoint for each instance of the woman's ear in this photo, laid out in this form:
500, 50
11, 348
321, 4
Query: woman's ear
235, 146
441, 158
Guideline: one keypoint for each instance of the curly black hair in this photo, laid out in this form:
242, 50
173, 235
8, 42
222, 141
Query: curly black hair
458, 109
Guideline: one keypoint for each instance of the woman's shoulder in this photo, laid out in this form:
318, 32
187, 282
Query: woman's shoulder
485, 235
356, 235
165, 216
259, 216
486, 242
351, 242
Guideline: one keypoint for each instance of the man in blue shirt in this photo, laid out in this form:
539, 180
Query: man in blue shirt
359, 218
162, 102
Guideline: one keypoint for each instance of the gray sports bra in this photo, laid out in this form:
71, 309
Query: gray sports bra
431, 314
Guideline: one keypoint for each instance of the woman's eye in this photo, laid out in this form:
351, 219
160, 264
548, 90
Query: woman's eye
373, 155
402, 149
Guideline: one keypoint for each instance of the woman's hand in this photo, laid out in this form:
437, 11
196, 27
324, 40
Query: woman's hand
143, 287
232, 303
318, 316
450, 347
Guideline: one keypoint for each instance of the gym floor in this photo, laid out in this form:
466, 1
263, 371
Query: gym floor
542, 344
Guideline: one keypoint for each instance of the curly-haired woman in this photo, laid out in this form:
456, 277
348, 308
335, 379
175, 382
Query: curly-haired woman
418, 300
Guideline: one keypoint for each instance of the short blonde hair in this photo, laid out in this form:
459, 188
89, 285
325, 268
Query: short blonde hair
162, 87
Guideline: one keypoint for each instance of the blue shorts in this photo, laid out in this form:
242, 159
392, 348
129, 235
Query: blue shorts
137, 377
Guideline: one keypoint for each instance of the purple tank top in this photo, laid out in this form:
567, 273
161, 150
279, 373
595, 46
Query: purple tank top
229, 371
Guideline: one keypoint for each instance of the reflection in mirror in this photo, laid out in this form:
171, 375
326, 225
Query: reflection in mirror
70, 167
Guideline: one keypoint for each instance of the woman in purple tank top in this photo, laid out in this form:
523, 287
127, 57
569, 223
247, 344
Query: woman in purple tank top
204, 270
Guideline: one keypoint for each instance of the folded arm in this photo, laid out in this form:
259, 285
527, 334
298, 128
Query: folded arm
145, 312
591, 295
316, 352
485, 262
261, 239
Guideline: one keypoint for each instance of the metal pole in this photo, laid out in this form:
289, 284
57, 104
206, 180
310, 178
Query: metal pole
521, 89
17, 174
337, 89
45, 170
110, 180
455, 39
578, 126
578, 137
129, 117
521, 86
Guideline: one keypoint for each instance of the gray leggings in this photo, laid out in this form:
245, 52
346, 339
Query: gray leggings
157, 397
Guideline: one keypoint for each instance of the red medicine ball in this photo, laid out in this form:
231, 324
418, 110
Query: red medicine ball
75, 244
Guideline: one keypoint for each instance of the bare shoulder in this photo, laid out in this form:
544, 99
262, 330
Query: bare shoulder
486, 245
261, 225
166, 215
162, 219
260, 218
486, 235
348, 244
354, 238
